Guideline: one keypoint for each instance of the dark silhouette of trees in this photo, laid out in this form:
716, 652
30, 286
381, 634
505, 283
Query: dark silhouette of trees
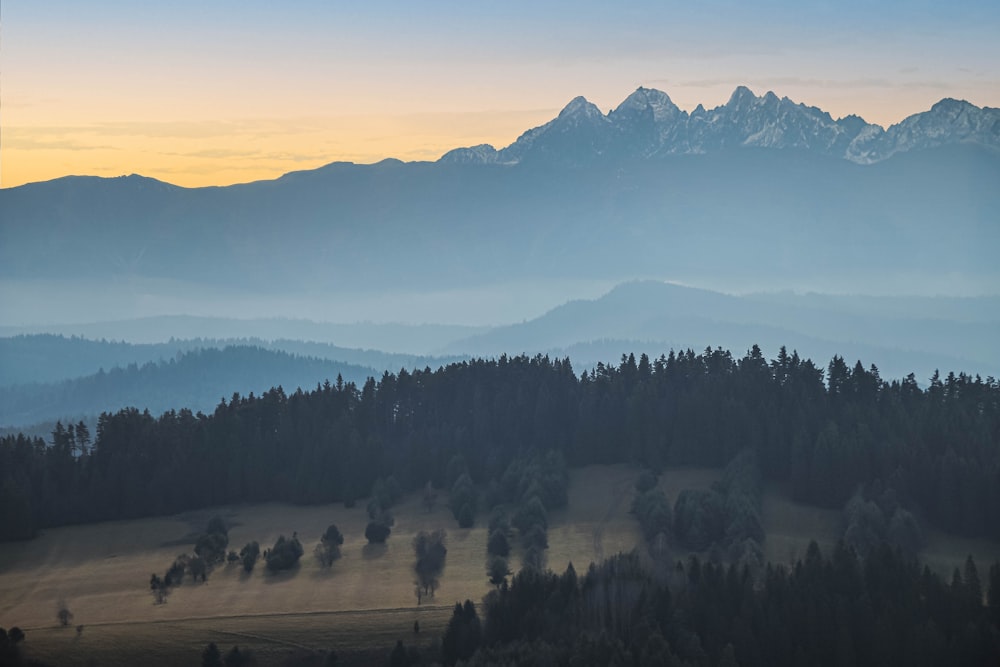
385, 494
652, 509
699, 518
466, 517
211, 545
398, 657
237, 658
506, 423
198, 568
159, 588
64, 615
10, 650
249, 555
497, 570
498, 544
328, 549
832, 610
430, 551
285, 553
377, 532
463, 635
993, 594
462, 500
211, 656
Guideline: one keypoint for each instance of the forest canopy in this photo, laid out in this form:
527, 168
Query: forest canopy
824, 432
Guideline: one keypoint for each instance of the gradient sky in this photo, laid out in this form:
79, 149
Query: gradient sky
217, 92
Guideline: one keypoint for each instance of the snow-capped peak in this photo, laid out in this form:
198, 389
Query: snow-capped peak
662, 107
648, 123
579, 106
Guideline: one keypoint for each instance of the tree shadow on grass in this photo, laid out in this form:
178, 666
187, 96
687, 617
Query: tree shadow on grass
374, 550
325, 572
275, 577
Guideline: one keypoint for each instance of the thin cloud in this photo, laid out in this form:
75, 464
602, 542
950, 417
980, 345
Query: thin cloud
29, 142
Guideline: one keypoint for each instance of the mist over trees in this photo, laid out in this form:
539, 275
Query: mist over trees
823, 432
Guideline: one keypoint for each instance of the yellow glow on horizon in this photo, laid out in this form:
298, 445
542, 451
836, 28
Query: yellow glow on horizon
42, 141
205, 153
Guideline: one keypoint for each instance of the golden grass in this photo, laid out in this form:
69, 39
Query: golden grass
365, 602
102, 572
358, 637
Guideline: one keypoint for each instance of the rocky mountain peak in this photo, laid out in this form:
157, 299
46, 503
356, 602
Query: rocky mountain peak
647, 123
741, 98
580, 107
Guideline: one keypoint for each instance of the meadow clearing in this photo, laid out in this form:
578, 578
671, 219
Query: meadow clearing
358, 607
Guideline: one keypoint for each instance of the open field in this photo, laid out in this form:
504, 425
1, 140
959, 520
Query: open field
359, 637
361, 605
367, 598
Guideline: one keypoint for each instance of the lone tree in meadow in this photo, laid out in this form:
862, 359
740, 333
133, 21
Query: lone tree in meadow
211, 544
160, 589
430, 551
198, 568
328, 549
64, 615
377, 532
249, 555
285, 553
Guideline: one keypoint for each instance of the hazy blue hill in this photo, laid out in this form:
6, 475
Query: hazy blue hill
197, 380
49, 358
46, 358
755, 214
898, 335
406, 339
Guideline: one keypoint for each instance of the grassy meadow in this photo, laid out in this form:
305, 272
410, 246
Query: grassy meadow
366, 599
361, 605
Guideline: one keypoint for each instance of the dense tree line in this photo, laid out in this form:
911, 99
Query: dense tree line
824, 611
823, 433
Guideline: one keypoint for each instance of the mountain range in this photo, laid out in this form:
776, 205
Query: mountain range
758, 194
647, 124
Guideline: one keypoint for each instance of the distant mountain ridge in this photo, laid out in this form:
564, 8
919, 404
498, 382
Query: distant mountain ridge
899, 335
648, 124
759, 192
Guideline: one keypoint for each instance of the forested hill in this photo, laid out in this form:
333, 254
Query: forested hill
47, 358
197, 379
937, 449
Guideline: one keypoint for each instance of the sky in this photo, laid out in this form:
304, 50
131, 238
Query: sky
216, 92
